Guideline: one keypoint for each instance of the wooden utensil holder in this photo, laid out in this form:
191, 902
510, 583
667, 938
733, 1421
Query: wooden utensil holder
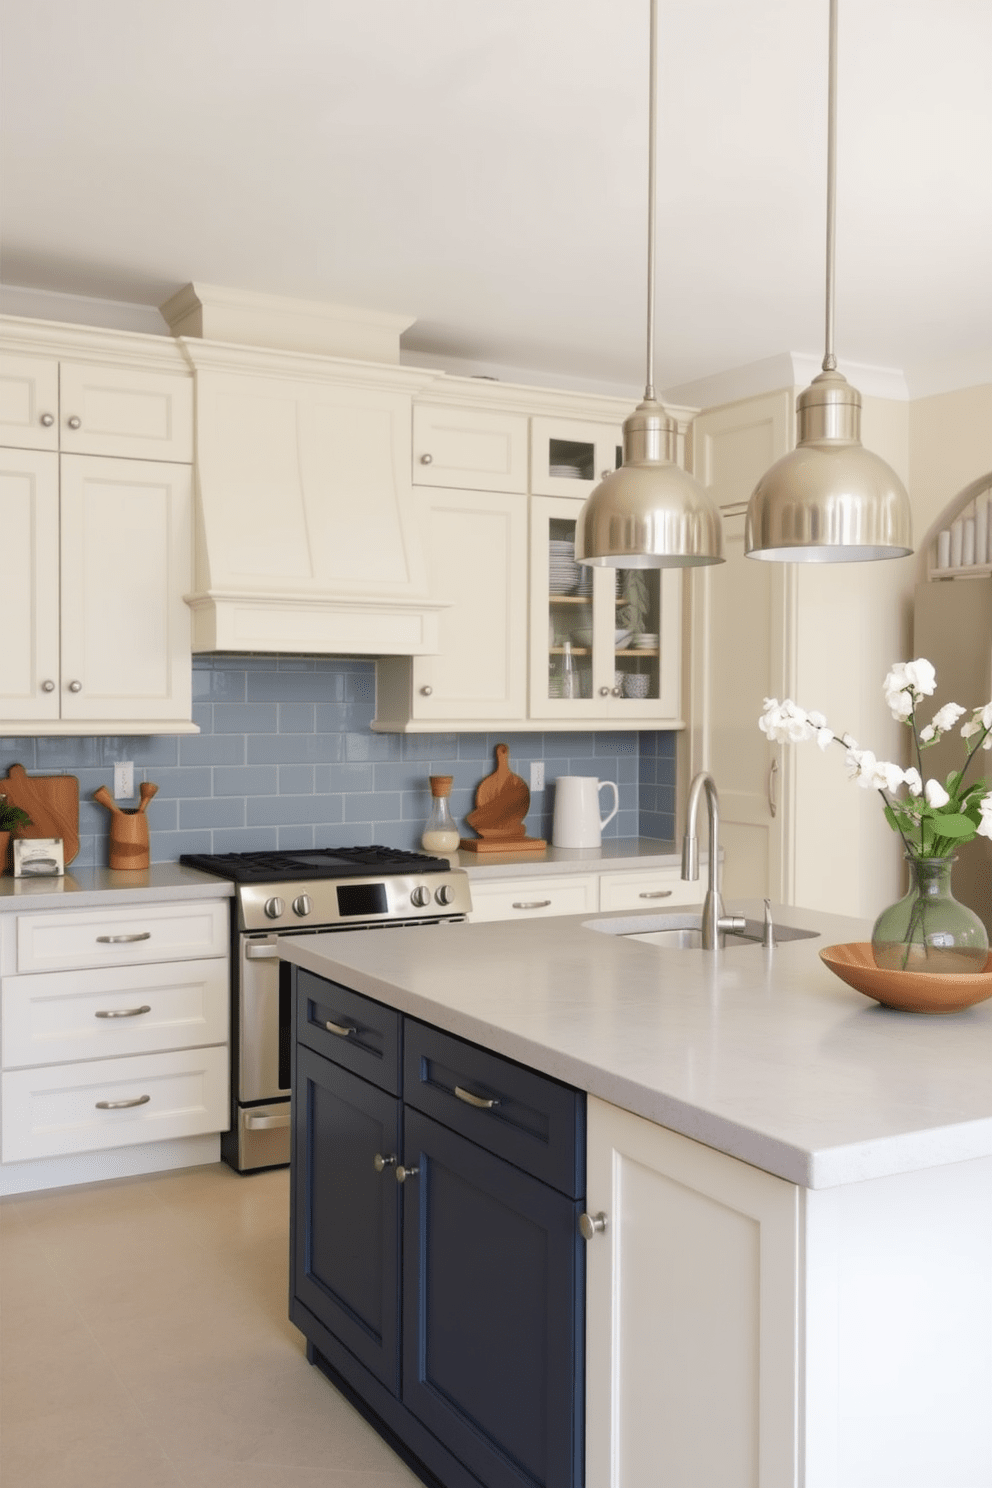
129, 839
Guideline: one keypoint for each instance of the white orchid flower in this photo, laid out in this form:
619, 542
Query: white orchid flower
945, 718
914, 781
817, 720
785, 722
936, 795
927, 733
824, 736
921, 676
861, 765
886, 776
985, 825
901, 703
970, 728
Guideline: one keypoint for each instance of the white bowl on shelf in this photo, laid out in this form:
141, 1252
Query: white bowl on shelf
621, 639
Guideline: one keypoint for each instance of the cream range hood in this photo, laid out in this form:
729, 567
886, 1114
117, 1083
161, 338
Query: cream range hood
306, 532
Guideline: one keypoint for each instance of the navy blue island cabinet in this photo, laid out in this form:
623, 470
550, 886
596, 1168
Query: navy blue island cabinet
436, 1266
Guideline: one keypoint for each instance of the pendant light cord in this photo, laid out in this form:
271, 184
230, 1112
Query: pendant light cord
829, 359
652, 132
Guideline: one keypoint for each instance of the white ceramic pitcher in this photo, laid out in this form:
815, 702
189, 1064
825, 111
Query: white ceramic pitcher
577, 822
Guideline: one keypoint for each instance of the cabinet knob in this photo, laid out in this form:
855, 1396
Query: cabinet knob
75, 422
379, 1162
402, 1173
604, 473
605, 691
592, 1224
617, 691
75, 686
48, 685
426, 691
427, 459
47, 420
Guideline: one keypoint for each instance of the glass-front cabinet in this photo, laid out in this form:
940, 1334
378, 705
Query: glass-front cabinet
604, 641
569, 457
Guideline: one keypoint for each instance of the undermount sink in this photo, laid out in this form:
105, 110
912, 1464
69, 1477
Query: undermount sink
682, 930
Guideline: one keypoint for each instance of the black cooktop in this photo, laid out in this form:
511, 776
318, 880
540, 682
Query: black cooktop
296, 864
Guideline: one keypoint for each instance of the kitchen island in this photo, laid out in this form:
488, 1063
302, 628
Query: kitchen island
794, 1282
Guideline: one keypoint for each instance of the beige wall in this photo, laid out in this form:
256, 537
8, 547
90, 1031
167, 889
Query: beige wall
950, 445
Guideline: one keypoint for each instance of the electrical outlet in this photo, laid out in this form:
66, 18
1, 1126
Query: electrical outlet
537, 775
123, 780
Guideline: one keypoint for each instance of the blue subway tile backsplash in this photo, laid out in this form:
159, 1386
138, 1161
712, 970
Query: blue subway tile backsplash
286, 758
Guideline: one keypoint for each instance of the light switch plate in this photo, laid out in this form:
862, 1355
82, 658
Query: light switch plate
123, 780
537, 775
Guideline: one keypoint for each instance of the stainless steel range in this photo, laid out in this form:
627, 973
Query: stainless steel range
306, 892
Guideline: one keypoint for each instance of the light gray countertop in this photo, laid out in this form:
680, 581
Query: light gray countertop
764, 1055
83, 888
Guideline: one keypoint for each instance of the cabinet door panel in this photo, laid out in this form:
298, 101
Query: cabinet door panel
692, 1309
346, 1232
126, 412
492, 1274
476, 557
469, 448
29, 392
126, 545
29, 532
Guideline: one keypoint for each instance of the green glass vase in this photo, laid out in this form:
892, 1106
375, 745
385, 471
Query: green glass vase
928, 930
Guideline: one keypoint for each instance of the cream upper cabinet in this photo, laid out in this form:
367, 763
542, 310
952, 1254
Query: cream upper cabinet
95, 408
470, 449
733, 446
569, 457
29, 522
98, 553
692, 1325
476, 547
29, 401
605, 643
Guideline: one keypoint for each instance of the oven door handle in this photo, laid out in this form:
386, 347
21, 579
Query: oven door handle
261, 950
267, 1123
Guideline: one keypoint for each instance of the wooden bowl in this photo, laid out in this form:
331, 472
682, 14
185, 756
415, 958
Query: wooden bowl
911, 991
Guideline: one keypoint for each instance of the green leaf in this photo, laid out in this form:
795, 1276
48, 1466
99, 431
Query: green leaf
953, 825
953, 781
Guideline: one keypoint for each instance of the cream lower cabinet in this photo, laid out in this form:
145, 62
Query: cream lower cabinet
97, 557
476, 548
691, 1313
536, 897
114, 1028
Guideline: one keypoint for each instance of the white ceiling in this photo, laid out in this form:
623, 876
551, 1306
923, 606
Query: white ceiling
481, 165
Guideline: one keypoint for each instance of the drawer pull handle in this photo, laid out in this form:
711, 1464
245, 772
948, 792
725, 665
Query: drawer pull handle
656, 894
267, 1123
124, 939
478, 1101
532, 904
341, 1029
592, 1224
123, 1105
380, 1162
125, 1012
402, 1173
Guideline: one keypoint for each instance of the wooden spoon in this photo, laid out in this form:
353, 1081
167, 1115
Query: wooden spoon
103, 795
146, 790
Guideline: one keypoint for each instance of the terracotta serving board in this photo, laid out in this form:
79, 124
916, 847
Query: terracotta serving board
52, 803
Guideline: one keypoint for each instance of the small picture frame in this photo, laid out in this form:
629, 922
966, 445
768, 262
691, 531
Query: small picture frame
38, 857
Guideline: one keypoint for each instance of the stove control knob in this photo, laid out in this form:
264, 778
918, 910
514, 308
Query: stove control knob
274, 907
421, 896
302, 905
444, 894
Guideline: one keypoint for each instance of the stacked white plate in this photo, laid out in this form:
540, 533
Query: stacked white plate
563, 571
567, 472
646, 641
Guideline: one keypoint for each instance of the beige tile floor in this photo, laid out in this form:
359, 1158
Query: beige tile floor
144, 1343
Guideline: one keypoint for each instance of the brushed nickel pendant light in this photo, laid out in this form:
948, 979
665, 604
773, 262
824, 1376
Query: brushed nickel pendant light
829, 500
650, 513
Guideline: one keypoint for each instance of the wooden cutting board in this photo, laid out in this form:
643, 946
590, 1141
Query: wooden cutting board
52, 803
501, 803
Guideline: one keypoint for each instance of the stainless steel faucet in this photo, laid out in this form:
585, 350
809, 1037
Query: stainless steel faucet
714, 919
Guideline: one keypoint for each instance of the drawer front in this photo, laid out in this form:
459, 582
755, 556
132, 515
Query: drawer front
71, 1108
349, 1029
532, 1121
65, 1015
534, 898
72, 941
645, 889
